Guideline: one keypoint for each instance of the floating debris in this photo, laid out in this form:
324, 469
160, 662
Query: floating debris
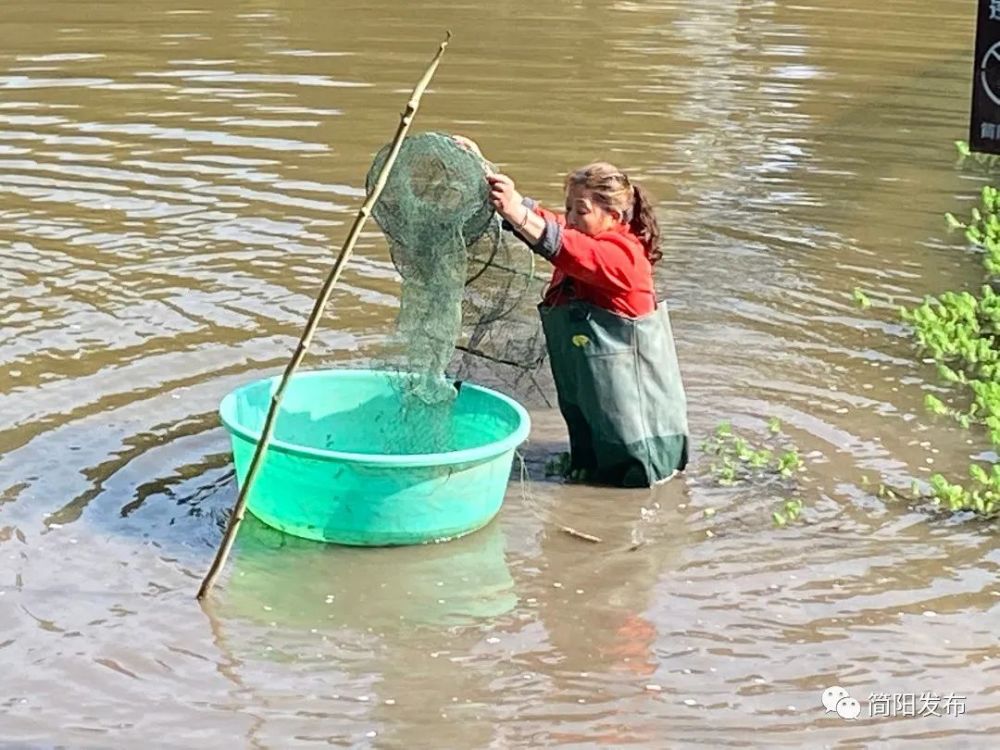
581, 535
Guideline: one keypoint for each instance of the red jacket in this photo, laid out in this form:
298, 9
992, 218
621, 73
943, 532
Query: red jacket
609, 270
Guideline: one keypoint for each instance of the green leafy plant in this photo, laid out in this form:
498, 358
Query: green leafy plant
967, 156
960, 332
789, 462
789, 511
736, 459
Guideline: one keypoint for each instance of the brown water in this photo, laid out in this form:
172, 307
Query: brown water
175, 179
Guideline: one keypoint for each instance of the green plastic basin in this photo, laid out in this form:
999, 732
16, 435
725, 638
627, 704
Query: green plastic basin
354, 460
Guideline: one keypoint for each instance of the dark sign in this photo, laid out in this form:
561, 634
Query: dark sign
984, 133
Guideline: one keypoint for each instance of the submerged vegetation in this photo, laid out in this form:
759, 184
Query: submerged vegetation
772, 464
960, 333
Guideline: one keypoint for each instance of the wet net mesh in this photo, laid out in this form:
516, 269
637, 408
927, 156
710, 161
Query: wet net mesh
468, 288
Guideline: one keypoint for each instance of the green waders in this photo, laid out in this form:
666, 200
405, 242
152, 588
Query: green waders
620, 392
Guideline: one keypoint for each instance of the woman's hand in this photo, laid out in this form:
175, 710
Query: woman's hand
468, 143
505, 198
510, 205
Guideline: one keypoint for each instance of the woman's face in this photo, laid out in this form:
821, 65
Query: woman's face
584, 215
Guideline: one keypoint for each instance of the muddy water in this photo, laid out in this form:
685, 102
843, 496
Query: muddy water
173, 181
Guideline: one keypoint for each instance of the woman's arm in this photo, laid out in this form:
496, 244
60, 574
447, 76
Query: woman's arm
609, 262
511, 206
559, 219
508, 202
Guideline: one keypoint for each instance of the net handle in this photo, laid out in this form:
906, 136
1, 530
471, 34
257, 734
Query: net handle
236, 517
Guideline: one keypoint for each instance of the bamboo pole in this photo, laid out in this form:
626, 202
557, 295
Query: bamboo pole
581, 535
236, 517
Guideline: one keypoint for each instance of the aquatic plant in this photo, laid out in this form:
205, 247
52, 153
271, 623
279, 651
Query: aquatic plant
737, 460
789, 511
966, 155
960, 332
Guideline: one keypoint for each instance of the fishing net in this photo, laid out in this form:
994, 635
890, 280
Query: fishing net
468, 289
